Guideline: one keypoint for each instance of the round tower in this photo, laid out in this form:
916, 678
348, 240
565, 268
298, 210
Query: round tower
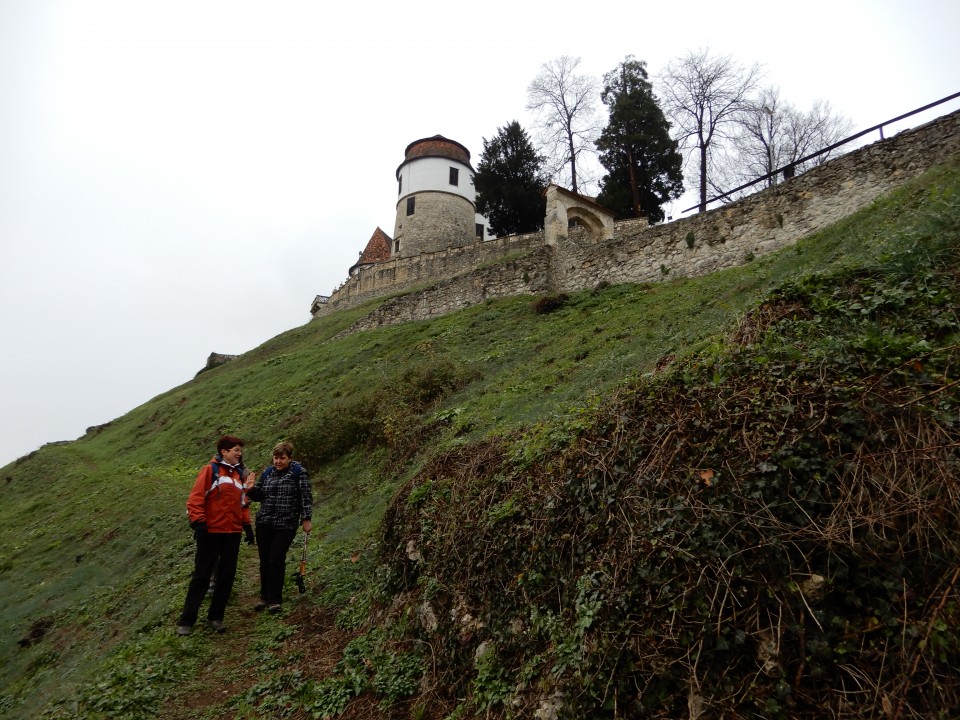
436, 208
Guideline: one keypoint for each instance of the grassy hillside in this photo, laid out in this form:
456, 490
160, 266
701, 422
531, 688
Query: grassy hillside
588, 506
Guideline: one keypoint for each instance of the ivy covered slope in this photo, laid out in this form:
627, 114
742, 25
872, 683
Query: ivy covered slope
732, 496
770, 527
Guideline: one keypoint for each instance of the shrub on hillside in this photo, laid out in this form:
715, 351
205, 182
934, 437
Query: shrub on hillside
549, 303
393, 414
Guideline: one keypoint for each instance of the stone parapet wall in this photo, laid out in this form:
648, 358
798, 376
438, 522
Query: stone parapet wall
405, 273
526, 274
448, 280
761, 223
630, 229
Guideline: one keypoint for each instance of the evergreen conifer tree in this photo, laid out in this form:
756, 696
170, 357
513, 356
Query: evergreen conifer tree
509, 182
642, 161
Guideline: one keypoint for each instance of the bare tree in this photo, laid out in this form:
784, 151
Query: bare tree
775, 135
564, 104
815, 130
762, 145
703, 96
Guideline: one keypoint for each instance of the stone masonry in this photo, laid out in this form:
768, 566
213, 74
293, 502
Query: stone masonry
441, 220
437, 283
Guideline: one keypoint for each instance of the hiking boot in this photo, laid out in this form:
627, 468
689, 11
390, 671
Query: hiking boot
274, 609
261, 605
218, 626
184, 629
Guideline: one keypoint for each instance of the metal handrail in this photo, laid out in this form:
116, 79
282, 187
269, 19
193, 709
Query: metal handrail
825, 150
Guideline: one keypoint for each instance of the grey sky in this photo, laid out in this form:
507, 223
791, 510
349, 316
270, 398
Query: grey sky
179, 177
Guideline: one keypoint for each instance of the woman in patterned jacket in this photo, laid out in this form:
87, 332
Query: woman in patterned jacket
283, 492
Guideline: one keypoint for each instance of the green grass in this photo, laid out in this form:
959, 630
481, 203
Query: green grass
94, 544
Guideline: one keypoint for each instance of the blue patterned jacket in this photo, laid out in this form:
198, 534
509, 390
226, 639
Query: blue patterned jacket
285, 498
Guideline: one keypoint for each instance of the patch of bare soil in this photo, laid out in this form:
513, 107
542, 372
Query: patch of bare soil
315, 649
318, 645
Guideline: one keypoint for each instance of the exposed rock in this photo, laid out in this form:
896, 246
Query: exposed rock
216, 360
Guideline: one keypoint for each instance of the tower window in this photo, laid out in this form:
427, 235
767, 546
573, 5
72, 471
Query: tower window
411, 204
454, 176
479, 230
400, 185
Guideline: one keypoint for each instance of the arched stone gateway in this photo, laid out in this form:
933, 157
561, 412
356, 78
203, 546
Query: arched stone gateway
565, 207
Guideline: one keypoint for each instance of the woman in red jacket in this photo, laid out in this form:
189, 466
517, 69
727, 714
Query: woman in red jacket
219, 514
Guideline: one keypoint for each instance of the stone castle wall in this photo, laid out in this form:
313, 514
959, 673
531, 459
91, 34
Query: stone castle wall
761, 223
401, 274
721, 238
524, 274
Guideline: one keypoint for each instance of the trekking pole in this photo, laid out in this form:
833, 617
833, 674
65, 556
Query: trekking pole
303, 566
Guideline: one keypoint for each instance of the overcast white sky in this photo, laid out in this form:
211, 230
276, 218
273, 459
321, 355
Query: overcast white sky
184, 176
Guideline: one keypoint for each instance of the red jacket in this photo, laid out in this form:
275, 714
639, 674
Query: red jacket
220, 503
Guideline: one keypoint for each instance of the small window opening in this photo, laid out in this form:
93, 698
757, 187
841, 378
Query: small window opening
400, 185
480, 231
454, 176
411, 204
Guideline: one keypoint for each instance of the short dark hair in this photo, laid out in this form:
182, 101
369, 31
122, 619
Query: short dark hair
227, 442
283, 448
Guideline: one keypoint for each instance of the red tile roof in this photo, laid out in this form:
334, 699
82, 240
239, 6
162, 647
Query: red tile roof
377, 250
437, 146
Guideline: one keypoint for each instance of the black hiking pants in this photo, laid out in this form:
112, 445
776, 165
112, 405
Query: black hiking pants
214, 550
273, 544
